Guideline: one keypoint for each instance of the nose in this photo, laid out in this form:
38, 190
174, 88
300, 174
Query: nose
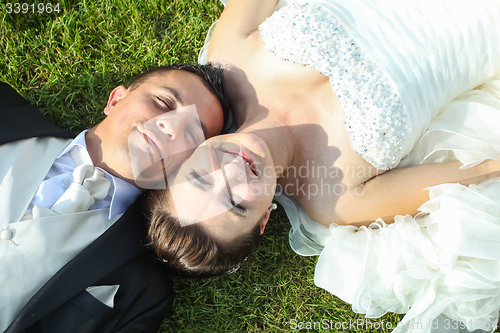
231, 174
169, 127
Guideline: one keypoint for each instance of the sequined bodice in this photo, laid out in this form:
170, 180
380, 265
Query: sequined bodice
375, 119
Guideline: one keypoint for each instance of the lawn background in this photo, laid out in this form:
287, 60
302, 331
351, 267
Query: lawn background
68, 62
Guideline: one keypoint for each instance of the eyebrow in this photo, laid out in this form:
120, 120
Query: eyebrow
175, 93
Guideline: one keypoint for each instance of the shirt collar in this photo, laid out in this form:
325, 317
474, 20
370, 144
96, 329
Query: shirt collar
124, 193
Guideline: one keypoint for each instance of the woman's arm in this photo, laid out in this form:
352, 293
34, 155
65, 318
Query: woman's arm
237, 22
401, 191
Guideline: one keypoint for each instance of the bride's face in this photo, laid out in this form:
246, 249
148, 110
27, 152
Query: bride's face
227, 185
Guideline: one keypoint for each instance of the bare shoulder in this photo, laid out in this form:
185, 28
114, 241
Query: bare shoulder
234, 51
237, 27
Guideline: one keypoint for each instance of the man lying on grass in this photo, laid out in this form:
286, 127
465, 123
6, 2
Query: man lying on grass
71, 227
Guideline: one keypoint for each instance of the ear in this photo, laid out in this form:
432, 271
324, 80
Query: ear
116, 95
264, 221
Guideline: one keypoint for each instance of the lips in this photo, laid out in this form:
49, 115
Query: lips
151, 141
249, 161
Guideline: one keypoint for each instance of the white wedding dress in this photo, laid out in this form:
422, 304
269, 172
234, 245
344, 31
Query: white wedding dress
419, 82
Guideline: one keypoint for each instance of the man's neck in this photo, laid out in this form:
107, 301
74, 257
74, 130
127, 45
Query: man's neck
94, 147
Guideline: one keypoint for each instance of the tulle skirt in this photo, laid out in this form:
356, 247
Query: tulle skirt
444, 261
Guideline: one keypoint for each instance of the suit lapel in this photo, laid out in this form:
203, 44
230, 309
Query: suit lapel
23, 167
119, 244
18, 121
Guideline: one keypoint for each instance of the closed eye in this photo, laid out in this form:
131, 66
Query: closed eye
166, 102
195, 132
237, 207
190, 133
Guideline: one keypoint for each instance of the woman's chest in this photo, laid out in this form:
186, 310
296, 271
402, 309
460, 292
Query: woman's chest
325, 168
375, 119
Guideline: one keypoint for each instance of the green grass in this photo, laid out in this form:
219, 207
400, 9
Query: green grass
68, 63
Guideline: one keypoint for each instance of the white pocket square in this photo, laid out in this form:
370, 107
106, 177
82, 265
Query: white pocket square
105, 294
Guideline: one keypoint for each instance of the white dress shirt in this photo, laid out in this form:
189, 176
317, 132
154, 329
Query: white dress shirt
60, 177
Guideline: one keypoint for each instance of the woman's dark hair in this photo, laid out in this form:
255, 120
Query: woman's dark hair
211, 76
189, 250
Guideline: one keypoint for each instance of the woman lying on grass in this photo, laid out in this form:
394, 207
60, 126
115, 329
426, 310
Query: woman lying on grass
338, 105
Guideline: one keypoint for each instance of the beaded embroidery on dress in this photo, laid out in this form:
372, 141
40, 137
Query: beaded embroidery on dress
375, 119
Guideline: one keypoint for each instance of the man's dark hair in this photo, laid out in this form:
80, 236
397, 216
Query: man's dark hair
211, 76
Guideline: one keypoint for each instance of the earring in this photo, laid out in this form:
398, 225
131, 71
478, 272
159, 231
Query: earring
273, 207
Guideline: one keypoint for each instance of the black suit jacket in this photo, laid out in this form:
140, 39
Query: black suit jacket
117, 257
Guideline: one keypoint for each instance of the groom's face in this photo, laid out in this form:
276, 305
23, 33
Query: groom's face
152, 129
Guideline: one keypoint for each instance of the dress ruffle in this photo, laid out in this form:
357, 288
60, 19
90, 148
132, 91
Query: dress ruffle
444, 261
